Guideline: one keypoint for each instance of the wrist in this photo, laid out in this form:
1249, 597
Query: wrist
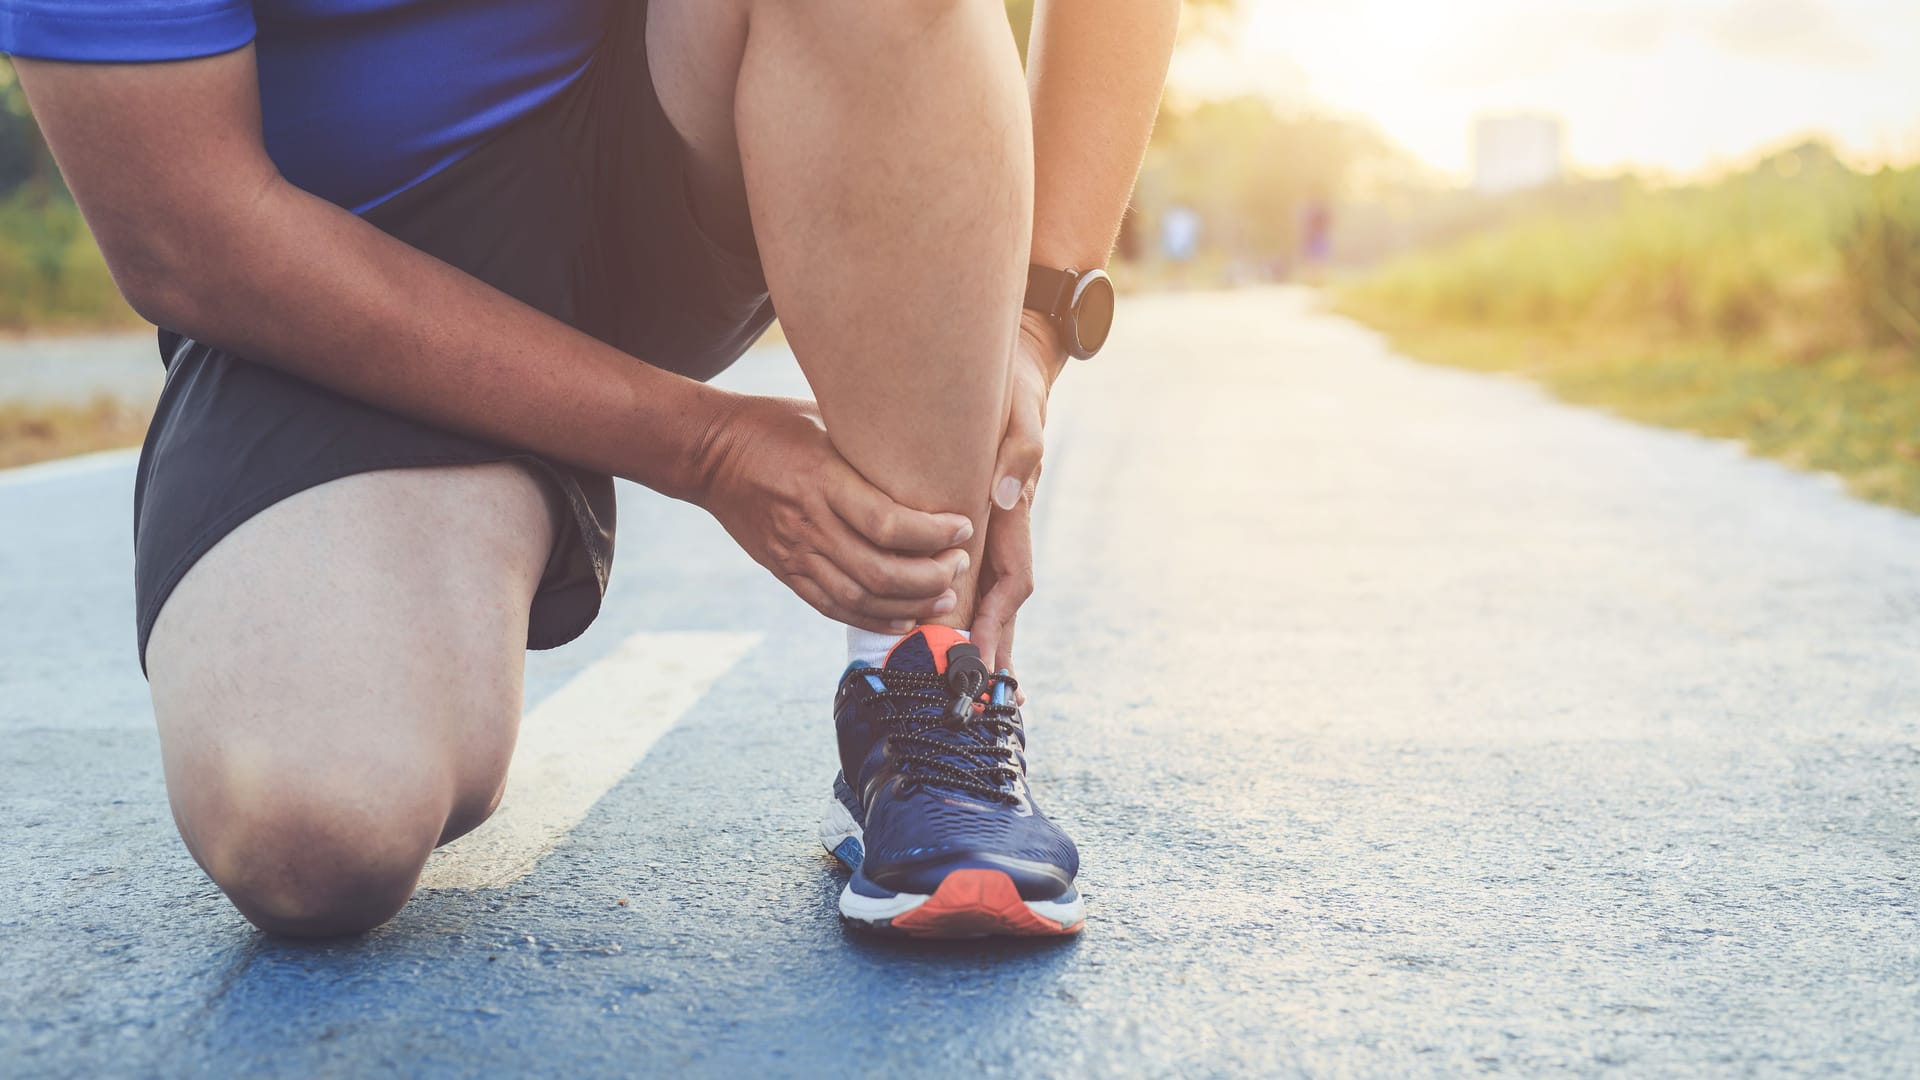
718, 432
1045, 341
698, 430
1078, 304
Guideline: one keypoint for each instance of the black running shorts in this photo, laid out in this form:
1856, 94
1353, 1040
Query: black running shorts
580, 210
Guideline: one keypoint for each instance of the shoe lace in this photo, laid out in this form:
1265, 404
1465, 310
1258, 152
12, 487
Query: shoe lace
943, 738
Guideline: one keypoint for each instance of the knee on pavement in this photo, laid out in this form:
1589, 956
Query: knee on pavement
304, 855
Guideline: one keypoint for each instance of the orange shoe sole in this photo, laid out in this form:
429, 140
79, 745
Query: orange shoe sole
978, 903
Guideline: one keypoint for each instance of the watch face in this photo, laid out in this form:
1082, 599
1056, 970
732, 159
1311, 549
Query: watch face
1092, 312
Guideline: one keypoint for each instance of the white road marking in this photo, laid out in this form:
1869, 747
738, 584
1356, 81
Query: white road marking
577, 744
70, 466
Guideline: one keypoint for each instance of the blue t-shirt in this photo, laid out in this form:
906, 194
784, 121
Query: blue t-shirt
360, 99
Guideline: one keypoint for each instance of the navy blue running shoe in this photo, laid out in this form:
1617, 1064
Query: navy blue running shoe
931, 810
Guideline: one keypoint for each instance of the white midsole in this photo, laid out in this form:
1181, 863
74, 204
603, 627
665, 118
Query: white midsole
837, 826
1064, 912
880, 909
875, 908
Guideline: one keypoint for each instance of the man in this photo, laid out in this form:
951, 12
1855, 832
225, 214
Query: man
407, 252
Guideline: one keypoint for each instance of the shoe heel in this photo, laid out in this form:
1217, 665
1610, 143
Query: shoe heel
841, 835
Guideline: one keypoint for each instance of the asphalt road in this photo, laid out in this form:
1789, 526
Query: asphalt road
1409, 722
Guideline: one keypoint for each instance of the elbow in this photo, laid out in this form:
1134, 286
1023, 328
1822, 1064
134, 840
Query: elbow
173, 261
193, 273
161, 305
156, 286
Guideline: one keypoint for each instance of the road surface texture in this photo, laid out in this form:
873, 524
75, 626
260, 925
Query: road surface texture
1409, 723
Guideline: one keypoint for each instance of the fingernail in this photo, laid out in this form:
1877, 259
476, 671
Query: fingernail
964, 563
901, 627
964, 533
1006, 493
944, 604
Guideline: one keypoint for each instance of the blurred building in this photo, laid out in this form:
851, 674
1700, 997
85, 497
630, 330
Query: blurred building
1516, 151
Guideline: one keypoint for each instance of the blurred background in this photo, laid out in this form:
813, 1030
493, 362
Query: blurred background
1700, 213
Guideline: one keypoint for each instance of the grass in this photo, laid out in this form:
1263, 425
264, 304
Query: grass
1780, 307
30, 433
54, 280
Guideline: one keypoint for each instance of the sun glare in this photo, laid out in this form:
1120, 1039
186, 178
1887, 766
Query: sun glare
1677, 88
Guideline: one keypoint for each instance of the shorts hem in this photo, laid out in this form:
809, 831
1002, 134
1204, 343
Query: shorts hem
208, 537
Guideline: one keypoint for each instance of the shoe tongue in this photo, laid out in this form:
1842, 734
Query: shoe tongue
924, 650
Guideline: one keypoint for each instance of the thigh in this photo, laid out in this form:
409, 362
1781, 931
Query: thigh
366, 634
694, 50
672, 274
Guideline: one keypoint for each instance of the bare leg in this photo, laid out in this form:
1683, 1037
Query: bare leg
886, 152
337, 685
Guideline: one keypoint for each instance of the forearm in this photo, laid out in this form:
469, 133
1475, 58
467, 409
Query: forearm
1096, 69
298, 284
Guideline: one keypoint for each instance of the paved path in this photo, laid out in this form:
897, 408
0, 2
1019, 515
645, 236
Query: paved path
1409, 723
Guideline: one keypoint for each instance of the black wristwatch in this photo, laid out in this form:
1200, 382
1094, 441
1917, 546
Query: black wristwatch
1079, 302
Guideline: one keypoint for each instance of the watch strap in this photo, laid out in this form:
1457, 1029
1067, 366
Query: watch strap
1050, 291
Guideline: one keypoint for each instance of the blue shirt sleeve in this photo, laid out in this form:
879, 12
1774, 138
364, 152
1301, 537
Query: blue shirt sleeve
124, 31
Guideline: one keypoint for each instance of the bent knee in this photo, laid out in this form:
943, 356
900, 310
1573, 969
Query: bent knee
311, 860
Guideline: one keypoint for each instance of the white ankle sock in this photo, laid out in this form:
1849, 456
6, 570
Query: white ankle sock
871, 649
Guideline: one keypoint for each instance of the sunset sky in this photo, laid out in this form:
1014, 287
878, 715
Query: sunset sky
1679, 87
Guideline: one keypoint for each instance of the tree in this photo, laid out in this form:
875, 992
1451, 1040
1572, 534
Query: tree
24, 161
1251, 170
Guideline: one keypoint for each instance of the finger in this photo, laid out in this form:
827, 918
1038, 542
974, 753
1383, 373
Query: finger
993, 617
849, 595
985, 631
885, 523
993, 627
889, 574
989, 630
1003, 652
816, 597
1010, 558
1020, 452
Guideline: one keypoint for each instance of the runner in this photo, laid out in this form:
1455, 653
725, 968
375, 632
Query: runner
406, 253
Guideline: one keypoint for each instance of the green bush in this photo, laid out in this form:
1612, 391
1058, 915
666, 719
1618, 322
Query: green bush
52, 276
1881, 257
1802, 252
1780, 307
